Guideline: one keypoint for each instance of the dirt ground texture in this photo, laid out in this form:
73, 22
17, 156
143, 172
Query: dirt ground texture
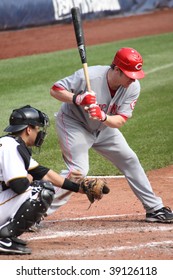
114, 227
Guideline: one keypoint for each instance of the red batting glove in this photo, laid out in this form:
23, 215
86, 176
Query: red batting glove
84, 98
96, 113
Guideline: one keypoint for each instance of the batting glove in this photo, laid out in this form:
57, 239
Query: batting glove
84, 98
96, 113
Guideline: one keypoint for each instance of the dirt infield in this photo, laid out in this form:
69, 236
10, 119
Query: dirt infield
114, 227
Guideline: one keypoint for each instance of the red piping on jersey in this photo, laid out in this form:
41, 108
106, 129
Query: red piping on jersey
124, 117
57, 87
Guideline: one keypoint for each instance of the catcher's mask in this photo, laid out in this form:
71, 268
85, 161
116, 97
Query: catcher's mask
25, 116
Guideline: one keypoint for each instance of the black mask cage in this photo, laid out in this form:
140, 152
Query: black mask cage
40, 138
42, 133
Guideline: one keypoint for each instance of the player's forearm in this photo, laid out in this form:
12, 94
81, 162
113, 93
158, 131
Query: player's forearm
54, 178
114, 121
62, 95
61, 182
30, 178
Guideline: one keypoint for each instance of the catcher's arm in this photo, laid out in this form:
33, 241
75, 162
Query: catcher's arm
93, 188
75, 176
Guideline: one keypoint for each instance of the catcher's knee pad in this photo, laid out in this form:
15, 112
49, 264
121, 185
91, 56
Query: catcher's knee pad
30, 212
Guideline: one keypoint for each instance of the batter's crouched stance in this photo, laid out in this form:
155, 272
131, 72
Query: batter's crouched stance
92, 120
26, 188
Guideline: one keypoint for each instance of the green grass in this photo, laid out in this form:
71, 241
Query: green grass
27, 80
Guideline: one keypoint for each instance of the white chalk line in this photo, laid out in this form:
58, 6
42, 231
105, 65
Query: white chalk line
110, 250
111, 231
109, 177
93, 217
49, 234
159, 68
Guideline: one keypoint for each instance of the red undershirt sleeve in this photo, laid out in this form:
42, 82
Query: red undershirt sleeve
124, 117
57, 87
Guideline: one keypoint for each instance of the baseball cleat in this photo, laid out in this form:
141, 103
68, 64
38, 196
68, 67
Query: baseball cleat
8, 246
19, 241
162, 215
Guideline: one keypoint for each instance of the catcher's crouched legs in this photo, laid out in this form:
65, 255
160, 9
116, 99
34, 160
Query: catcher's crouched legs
30, 211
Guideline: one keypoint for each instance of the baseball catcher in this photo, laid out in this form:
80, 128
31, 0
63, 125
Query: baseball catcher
27, 188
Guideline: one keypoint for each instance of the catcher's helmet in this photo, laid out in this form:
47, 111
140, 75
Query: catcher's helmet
24, 116
130, 62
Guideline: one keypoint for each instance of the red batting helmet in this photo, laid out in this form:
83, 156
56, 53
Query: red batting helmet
130, 62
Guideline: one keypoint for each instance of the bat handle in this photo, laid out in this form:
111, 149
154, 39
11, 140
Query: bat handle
85, 68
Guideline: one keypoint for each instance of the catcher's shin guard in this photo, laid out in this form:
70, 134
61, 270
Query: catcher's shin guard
30, 212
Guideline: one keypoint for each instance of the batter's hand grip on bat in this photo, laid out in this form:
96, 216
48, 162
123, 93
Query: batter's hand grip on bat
77, 23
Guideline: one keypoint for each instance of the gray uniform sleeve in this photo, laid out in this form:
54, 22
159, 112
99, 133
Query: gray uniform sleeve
129, 100
74, 83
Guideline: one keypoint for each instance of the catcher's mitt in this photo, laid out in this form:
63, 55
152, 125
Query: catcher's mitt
94, 188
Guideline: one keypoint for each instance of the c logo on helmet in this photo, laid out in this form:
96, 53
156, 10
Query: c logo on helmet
138, 66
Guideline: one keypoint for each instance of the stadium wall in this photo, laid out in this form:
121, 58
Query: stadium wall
28, 13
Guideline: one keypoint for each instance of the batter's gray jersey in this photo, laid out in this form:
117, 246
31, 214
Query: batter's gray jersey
78, 133
122, 103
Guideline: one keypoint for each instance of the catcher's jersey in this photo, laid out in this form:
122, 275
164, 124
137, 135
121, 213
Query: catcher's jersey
122, 103
11, 163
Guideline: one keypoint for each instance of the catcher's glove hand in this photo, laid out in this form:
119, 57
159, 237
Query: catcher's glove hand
94, 188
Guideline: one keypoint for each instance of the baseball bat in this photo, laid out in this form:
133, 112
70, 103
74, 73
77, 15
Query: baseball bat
78, 28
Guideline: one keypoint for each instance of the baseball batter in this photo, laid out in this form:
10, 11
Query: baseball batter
92, 120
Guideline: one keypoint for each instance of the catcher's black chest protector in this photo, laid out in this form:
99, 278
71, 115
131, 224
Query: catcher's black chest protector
23, 150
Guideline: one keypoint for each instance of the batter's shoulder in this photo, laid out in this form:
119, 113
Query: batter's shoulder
135, 85
98, 70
